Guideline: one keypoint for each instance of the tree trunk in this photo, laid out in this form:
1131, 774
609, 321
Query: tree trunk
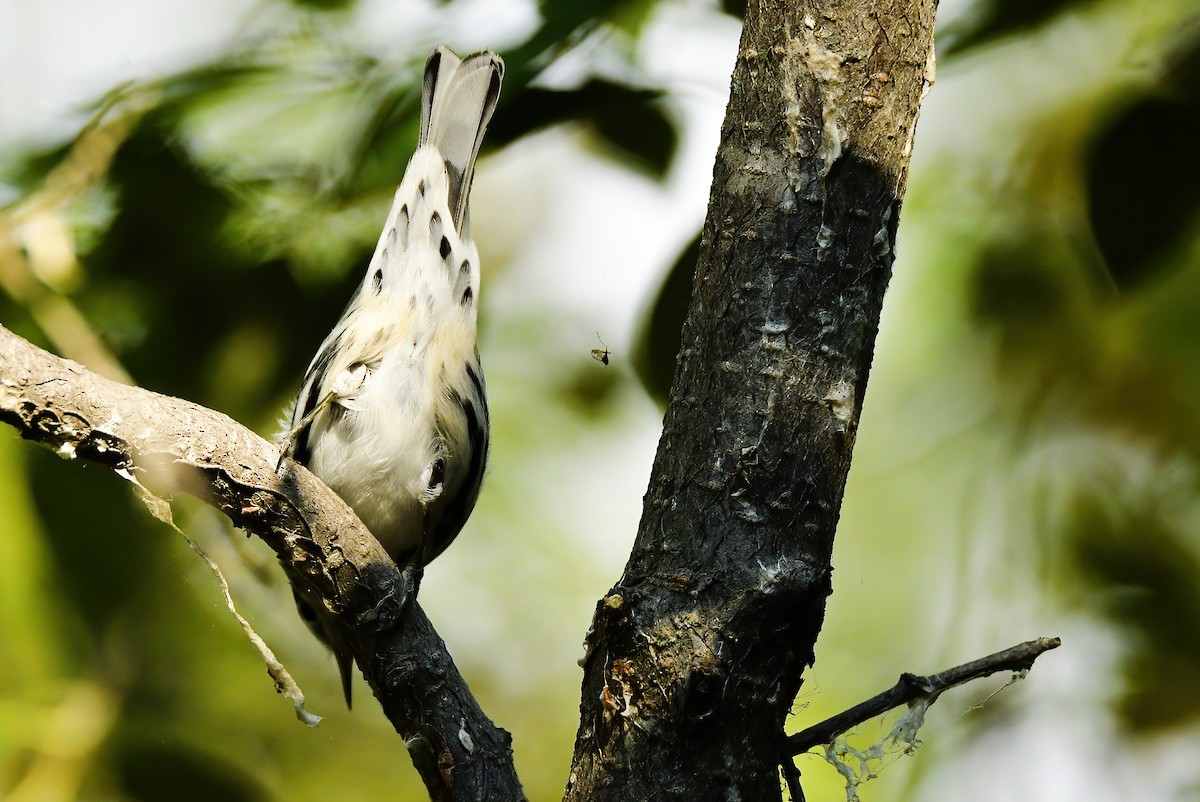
696, 654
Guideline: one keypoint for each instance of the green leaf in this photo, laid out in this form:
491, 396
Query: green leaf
1146, 576
631, 121
657, 351
736, 8
990, 20
173, 770
1142, 193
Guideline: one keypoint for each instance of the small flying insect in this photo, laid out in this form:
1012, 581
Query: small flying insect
601, 354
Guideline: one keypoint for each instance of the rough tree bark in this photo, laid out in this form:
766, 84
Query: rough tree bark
696, 654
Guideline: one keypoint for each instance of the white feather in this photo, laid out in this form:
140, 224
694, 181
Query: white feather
393, 414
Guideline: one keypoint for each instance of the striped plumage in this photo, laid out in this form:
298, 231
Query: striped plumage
392, 413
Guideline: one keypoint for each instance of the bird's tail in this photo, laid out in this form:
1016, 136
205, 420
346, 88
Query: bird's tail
457, 101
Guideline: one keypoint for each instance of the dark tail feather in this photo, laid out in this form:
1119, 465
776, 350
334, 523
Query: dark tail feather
327, 632
457, 101
345, 663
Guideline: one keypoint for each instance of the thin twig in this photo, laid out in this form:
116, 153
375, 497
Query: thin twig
285, 684
1018, 658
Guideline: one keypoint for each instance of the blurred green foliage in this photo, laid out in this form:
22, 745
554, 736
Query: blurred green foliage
988, 21
1095, 304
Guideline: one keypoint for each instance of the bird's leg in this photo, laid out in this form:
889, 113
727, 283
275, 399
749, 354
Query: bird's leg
413, 571
288, 442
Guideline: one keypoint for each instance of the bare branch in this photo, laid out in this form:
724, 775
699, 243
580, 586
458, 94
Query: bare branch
911, 687
174, 445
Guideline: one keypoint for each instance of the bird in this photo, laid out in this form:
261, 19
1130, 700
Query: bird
392, 413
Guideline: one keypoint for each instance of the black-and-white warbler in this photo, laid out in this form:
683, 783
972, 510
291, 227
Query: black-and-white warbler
392, 414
